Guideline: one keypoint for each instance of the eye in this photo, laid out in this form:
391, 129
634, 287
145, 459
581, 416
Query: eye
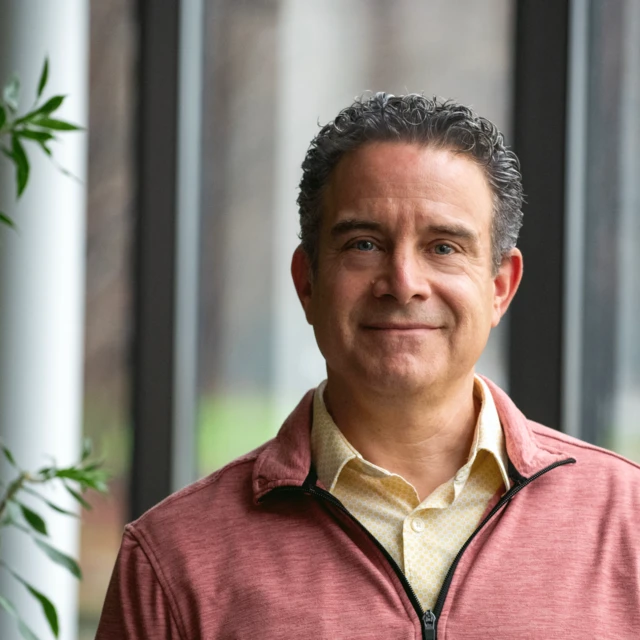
442, 249
364, 245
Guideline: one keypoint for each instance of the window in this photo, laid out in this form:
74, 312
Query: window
604, 230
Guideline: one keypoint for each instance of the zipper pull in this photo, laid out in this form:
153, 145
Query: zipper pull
429, 625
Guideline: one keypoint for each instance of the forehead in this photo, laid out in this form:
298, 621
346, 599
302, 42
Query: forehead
427, 179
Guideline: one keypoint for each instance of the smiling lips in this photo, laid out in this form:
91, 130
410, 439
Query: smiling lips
400, 326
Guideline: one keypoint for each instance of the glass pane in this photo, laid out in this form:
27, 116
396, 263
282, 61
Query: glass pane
108, 290
610, 401
262, 105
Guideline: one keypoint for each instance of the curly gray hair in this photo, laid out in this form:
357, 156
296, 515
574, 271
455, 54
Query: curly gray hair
416, 120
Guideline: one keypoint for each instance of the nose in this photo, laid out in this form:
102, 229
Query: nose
404, 278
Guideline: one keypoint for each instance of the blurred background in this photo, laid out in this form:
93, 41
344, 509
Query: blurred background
199, 115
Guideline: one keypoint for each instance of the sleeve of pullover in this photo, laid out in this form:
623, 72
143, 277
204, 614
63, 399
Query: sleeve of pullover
136, 606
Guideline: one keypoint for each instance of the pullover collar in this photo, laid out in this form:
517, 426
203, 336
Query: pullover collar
286, 460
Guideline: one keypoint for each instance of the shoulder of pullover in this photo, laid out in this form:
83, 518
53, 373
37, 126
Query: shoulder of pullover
202, 506
555, 440
599, 479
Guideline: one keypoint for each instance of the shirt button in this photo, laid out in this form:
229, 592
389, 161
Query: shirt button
417, 525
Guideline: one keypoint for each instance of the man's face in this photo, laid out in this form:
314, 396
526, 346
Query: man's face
404, 296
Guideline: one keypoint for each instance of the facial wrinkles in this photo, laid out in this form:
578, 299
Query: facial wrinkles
403, 263
445, 181
391, 202
403, 209
406, 229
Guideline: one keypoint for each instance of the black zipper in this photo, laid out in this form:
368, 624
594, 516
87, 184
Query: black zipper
428, 619
437, 609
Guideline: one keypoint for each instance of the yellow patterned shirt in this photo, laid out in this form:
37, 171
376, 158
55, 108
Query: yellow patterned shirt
422, 537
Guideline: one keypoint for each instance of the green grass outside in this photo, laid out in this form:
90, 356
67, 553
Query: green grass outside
111, 434
626, 444
231, 425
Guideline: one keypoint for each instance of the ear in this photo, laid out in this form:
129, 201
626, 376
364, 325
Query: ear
506, 284
302, 280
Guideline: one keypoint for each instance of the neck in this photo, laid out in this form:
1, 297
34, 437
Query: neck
424, 437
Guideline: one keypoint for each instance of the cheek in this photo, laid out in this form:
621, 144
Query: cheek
470, 301
331, 303
346, 291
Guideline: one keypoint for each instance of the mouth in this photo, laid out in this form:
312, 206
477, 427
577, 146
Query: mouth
400, 326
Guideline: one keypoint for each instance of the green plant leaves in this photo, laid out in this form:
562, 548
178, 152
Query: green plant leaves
25, 632
38, 129
36, 125
50, 504
7, 454
44, 147
57, 125
48, 609
11, 515
5, 219
78, 497
44, 75
60, 558
38, 136
33, 519
11, 94
89, 476
51, 105
22, 164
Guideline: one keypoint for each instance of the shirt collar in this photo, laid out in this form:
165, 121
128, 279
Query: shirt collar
489, 433
331, 451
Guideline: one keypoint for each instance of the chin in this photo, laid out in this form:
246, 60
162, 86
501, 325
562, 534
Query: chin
393, 378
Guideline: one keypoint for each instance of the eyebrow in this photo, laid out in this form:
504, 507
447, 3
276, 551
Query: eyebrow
454, 231
353, 224
450, 230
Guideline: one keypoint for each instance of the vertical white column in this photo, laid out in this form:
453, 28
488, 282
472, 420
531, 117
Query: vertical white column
42, 292
627, 401
188, 232
575, 206
578, 87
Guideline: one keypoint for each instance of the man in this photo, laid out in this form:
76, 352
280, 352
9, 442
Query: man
406, 497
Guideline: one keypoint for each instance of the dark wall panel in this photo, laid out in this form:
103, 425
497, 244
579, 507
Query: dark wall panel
535, 349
